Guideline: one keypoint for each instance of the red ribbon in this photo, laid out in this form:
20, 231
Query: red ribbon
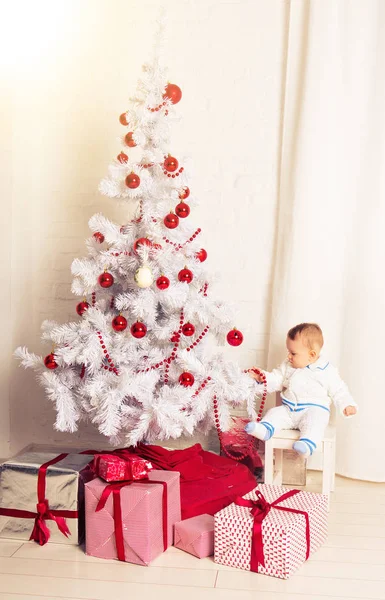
260, 508
115, 488
40, 532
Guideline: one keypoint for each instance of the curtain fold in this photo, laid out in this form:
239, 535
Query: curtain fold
330, 248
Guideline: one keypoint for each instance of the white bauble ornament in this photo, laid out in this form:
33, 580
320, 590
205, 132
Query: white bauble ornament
144, 277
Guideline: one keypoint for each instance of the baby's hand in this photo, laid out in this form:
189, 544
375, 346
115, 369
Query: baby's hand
350, 411
255, 376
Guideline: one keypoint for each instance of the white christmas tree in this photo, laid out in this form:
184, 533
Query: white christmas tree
136, 362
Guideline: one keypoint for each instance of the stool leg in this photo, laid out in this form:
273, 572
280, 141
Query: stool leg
278, 466
327, 468
269, 456
333, 469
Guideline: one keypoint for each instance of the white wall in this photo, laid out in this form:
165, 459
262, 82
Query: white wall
73, 75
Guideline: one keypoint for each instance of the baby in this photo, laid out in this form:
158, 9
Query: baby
308, 383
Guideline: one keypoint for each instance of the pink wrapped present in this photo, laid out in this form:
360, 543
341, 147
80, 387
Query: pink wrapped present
195, 535
132, 521
271, 530
114, 468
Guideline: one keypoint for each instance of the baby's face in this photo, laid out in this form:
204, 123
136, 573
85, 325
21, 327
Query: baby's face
299, 355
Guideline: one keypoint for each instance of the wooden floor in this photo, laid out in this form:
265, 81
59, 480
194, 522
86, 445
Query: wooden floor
350, 565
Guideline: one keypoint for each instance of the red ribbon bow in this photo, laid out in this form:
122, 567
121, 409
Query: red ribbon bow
40, 532
260, 508
115, 488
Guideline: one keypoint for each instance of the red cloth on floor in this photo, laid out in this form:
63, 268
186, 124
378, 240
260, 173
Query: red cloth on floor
208, 482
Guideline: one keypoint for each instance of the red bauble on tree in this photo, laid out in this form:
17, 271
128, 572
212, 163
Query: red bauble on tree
82, 307
156, 247
170, 164
106, 280
119, 323
184, 193
163, 282
50, 362
122, 158
129, 139
142, 242
201, 255
185, 275
171, 220
188, 329
99, 237
138, 330
173, 93
123, 119
132, 181
235, 337
182, 210
186, 379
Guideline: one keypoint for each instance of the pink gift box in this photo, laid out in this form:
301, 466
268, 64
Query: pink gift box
283, 534
195, 535
142, 518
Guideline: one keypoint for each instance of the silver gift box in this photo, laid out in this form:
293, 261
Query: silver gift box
64, 491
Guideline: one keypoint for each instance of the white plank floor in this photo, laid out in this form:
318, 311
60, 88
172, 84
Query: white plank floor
350, 565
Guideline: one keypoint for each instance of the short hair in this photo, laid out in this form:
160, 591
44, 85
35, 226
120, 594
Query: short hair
310, 332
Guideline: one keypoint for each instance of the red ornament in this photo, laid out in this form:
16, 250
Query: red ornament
132, 181
186, 379
123, 119
142, 242
119, 323
188, 329
173, 93
99, 237
50, 362
184, 193
171, 220
156, 247
235, 337
171, 164
182, 210
138, 330
82, 307
201, 255
106, 280
185, 275
122, 158
163, 282
129, 140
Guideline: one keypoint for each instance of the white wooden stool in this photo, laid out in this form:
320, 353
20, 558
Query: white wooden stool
284, 441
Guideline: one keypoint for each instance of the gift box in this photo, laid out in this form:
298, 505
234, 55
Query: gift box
195, 536
271, 530
132, 521
114, 468
42, 497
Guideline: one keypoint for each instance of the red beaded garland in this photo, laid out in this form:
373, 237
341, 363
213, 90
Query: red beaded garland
99, 237
132, 181
106, 280
171, 220
173, 93
185, 275
82, 307
129, 139
119, 323
182, 210
50, 362
163, 282
234, 337
186, 379
138, 330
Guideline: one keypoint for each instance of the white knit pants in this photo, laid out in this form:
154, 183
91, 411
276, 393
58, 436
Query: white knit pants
311, 422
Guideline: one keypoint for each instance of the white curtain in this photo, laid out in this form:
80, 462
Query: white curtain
330, 247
